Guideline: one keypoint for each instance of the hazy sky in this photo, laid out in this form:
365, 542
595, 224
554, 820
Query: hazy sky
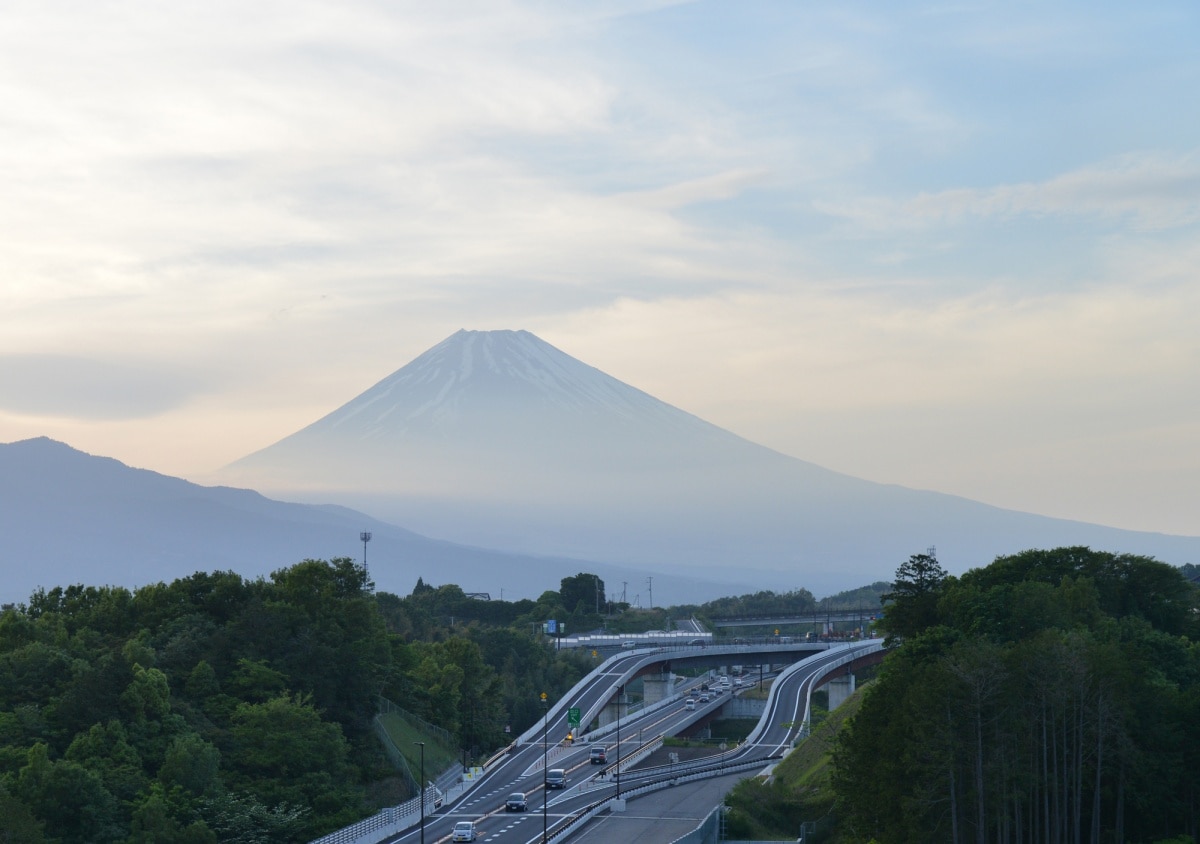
953, 246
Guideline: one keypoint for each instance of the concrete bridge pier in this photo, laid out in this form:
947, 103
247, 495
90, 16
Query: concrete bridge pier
840, 688
656, 688
616, 708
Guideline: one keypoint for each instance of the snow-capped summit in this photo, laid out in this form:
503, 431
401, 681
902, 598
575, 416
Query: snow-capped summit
498, 439
492, 408
488, 372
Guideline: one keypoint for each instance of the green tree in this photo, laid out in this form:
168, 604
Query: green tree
583, 592
69, 799
288, 755
912, 605
242, 819
18, 825
192, 765
105, 750
154, 822
1036, 696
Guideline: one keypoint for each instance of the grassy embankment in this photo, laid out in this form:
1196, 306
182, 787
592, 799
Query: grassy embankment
798, 790
405, 734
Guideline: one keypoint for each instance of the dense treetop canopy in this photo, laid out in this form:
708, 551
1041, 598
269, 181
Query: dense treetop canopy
1050, 696
216, 708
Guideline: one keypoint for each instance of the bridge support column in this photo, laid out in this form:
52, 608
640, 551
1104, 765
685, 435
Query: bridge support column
840, 688
655, 689
617, 707
744, 707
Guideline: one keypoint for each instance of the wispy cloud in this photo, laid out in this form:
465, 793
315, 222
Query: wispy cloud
798, 219
80, 388
1151, 191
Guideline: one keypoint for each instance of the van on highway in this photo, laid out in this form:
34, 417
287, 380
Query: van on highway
691, 704
556, 778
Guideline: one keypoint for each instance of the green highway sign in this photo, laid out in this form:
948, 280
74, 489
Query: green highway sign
573, 716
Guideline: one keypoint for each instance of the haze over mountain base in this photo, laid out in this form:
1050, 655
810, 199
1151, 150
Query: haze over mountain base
71, 518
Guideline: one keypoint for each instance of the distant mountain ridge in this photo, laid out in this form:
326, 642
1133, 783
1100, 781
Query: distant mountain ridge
67, 517
498, 439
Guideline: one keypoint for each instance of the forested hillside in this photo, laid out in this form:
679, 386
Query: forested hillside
216, 708
1053, 696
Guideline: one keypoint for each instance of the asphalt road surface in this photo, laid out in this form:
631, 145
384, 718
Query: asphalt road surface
660, 816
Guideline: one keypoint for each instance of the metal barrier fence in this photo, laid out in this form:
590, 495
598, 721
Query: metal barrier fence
396, 819
394, 755
388, 822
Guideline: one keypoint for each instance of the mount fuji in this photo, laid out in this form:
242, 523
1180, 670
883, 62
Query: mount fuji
498, 439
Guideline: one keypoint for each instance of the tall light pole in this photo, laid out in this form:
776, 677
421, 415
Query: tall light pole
365, 536
545, 761
421, 790
618, 774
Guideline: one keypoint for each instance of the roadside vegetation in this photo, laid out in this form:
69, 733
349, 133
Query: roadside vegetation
797, 791
1050, 696
1057, 691
216, 708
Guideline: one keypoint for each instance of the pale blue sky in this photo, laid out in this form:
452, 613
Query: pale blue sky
950, 246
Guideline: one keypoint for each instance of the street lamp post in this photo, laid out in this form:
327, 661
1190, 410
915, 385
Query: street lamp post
618, 768
421, 790
545, 761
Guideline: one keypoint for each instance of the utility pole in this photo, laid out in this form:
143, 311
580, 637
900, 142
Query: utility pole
617, 775
650, 590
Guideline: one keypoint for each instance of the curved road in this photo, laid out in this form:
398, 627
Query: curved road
521, 769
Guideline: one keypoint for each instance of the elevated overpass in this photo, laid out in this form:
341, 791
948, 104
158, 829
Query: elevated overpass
817, 617
522, 765
665, 660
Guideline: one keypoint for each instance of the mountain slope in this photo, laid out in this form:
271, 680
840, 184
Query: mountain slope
499, 439
67, 517
493, 408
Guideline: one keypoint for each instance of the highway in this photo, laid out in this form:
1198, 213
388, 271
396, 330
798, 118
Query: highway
593, 787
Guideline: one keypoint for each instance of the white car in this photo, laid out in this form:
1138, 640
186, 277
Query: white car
464, 831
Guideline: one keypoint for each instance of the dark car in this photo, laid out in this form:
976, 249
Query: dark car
516, 802
556, 778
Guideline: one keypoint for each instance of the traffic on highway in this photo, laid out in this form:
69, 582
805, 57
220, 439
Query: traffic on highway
561, 782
